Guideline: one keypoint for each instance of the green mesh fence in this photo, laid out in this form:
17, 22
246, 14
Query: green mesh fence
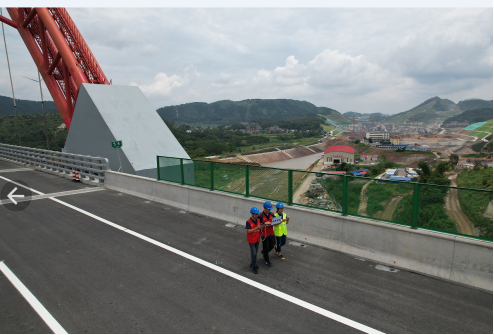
200, 171
268, 183
471, 210
433, 213
169, 169
456, 210
442, 208
386, 200
229, 177
319, 190
356, 198
333, 185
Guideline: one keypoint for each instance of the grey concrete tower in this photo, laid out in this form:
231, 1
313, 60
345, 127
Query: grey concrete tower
108, 113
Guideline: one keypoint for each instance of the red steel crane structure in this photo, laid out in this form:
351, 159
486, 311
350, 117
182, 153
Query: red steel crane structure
63, 58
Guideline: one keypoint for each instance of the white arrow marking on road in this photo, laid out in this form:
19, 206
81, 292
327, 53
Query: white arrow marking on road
11, 196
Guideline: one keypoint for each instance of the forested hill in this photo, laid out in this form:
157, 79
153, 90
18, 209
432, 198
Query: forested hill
24, 106
470, 104
426, 111
472, 116
228, 112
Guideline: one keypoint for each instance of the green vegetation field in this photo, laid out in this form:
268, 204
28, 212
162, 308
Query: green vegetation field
381, 195
475, 204
328, 128
483, 130
275, 142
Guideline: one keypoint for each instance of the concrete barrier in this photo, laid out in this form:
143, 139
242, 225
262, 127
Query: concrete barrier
450, 257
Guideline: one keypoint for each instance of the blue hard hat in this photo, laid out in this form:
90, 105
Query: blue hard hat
280, 205
254, 210
268, 205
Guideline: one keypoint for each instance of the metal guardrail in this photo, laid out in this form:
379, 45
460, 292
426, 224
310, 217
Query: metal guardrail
89, 167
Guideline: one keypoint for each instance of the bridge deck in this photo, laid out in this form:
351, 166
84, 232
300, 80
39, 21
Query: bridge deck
95, 278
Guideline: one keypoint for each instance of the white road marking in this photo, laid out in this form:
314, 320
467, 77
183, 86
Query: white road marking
226, 272
15, 170
54, 195
31, 299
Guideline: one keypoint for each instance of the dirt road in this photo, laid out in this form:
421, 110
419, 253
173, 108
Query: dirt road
390, 208
454, 211
304, 187
362, 208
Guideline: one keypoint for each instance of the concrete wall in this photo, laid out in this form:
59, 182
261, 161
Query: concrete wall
450, 257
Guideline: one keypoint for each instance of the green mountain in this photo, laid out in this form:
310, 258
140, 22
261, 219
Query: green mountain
431, 110
25, 106
471, 116
228, 112
469, 104
32, 131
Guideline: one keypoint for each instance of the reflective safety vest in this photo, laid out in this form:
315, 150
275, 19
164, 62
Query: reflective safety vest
280, 230
256, 235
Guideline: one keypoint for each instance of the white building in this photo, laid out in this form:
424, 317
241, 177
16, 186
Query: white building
377, 136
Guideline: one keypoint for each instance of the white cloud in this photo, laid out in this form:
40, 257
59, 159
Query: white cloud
379, 59
164, 85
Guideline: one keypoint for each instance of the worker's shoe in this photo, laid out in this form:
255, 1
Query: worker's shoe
280, 256
268, 264
254, 269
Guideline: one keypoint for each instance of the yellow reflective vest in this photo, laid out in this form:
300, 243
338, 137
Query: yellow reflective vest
280, 230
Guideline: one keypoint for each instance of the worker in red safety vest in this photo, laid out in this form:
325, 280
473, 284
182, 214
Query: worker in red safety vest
267, 232
253, 227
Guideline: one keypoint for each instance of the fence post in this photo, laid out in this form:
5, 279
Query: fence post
345, 193
247, 180
158, 165
182, 171
211, 172
416, 203
290, 187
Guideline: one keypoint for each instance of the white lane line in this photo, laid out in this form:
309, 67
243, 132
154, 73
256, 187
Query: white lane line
18, 184
31, 299
15, 170
54, 195
231, 274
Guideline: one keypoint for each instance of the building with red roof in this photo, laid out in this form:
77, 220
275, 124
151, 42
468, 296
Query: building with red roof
337, 154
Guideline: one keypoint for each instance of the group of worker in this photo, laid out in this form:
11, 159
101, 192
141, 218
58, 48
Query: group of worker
260, 228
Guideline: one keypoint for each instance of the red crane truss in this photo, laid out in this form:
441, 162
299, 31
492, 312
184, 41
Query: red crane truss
61, 54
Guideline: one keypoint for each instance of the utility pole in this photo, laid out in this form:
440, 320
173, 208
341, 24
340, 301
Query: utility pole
372, 120
353, 123
11, 84
43, 107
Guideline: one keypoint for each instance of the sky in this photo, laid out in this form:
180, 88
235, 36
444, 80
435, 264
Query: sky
379, 60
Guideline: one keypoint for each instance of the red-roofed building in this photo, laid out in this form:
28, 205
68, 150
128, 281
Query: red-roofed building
337, 154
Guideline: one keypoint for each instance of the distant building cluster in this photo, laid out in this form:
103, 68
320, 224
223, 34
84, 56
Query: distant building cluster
400, 174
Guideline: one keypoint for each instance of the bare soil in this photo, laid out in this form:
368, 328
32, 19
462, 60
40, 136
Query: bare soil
454, 211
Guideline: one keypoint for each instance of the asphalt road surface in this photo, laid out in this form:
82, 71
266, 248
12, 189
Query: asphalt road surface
95, 263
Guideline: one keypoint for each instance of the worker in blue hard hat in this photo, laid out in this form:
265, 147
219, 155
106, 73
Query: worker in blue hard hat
253, 227
280, 230
267, 232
